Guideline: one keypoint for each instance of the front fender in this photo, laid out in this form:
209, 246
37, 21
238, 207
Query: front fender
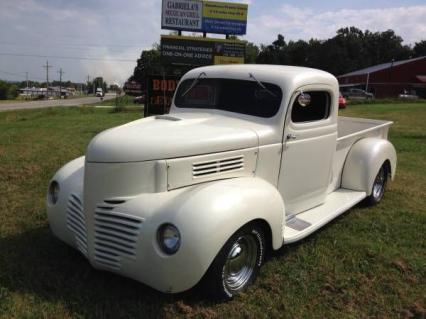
364, 161
70, 179
206, 215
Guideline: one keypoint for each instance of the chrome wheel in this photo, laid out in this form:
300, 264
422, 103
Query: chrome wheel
237, 264
240, 263
379, 184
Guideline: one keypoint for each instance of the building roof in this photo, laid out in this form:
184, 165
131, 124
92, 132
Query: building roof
380, 67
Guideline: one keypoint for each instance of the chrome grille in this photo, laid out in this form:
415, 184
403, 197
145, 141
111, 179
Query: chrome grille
76, 222
116, 234
222, 165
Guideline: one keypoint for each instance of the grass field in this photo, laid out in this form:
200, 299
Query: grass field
370, 262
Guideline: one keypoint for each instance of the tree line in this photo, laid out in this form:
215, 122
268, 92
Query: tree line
349, 50
8, 90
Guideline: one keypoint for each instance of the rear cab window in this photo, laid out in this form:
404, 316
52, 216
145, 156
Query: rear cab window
237, 96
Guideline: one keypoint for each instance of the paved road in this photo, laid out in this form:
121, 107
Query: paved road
50, 103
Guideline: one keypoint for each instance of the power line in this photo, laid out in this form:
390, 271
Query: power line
21, 75
79, 48
60, 82
80, 45
11, 73
68, 57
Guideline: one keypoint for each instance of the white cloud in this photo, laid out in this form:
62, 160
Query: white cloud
121, 30
303, 23
109, 30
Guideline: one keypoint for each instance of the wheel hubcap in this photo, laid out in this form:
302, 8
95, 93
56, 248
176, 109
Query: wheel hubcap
240, 263
379, 184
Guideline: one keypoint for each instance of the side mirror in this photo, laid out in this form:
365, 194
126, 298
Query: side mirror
304, 99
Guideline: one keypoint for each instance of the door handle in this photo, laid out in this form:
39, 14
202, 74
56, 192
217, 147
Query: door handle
291, 136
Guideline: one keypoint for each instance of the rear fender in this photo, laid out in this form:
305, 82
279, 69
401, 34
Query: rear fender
364, 161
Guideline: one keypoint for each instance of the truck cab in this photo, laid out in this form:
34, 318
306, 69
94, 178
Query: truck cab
250, 158
99, 92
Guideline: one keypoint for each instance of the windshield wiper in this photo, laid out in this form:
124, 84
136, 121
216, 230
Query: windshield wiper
262, 85
193, 84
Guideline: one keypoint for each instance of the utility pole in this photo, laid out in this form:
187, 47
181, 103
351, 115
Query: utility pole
87, 87
26, 77
60, 82
47, 66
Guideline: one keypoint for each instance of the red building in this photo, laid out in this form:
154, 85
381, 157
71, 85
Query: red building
390, 79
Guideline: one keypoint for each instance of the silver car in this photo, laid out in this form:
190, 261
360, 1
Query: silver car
357, 94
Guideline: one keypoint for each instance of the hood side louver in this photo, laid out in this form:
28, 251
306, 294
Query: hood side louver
218, 166
210, 167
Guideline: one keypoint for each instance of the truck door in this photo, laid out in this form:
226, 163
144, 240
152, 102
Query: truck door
309, 144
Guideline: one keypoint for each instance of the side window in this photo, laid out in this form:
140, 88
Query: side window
311, 106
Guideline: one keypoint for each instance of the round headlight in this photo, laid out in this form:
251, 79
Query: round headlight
54, 192
168, 237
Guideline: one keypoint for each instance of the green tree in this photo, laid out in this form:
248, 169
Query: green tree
4, 89
420, 49
148, 63
350, 49
13, 91
8, 90
252, 51
274, 53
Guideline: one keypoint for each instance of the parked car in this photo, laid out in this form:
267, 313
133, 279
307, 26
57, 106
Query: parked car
342, 101
204, 192
357, 94
405, 95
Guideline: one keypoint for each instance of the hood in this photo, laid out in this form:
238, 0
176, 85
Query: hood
170, 136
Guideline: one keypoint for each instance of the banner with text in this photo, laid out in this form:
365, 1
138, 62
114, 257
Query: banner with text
201, 51
204, 16
160, 94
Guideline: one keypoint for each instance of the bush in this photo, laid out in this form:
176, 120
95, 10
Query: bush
8, 90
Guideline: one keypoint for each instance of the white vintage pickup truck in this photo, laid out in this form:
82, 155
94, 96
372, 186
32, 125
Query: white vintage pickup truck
250, 158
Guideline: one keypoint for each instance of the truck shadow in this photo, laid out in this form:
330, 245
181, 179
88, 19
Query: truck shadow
315, 235
36, 263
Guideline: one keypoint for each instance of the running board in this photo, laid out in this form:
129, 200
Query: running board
302, 225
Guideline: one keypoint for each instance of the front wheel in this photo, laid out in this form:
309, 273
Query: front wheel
379, 186
237, 264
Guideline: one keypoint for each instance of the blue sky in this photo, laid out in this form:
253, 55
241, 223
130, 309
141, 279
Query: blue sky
119, 30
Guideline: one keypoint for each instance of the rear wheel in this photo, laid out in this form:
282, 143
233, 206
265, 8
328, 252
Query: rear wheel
379, 186
237, 264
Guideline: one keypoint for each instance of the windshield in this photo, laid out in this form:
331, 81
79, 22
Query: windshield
238, 96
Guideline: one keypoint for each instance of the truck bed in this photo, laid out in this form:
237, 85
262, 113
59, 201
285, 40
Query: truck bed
349, 131
351, 127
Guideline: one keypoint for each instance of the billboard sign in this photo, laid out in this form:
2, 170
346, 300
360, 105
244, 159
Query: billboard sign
224, 18
160, 93
180, 50
132, 88
204, 16
183, 15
